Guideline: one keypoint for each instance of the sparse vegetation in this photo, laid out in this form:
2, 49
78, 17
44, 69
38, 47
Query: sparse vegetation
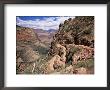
71, 49
86, 64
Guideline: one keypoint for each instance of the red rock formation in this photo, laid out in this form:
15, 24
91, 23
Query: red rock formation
26, 35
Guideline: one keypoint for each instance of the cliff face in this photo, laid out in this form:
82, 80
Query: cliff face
26, 35
71, 50
29, 49
74, 44
78, 31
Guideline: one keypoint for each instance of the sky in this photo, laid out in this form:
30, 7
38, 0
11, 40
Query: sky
41, 22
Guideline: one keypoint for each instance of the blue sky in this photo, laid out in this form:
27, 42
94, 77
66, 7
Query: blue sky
41, 22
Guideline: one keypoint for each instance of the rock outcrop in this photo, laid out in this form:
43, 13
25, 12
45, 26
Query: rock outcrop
53, 64
71, 50
74, 42
25, 54
26, 35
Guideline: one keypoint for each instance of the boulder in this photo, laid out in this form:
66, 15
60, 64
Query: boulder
81, 70
55, 63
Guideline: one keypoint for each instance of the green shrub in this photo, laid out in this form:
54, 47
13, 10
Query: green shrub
90, 63
86, 64
74, 50
42, 50
81, 64
87, 30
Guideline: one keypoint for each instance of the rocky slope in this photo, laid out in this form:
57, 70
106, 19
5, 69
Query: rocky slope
74, 45
29, 50
71, 50
26, 35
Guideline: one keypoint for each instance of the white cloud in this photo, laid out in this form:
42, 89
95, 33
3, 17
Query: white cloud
45, 24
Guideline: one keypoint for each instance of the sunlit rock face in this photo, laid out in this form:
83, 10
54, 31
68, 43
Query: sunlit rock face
70, 50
